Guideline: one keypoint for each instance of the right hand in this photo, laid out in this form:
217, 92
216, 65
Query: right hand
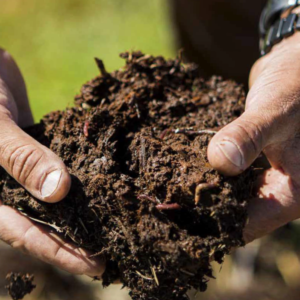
39, 171
271, 123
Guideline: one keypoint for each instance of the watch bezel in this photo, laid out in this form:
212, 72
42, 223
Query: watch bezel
272, 12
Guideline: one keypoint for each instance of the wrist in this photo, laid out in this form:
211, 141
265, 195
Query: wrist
283, 57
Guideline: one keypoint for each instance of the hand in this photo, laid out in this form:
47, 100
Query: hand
271, 123
40, 171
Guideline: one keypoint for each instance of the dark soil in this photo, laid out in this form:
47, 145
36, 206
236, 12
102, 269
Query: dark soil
18, 286
144, 195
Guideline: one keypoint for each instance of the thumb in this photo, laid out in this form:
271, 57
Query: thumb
34, 166
234, 148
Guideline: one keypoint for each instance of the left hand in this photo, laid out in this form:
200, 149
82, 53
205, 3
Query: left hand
271, 123
27, 161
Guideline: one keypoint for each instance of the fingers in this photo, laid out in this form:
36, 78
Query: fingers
285, 156
276, 205
14, 82
22, 234
235, 147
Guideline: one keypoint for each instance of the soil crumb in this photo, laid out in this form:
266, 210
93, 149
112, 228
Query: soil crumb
143, 194
18, 285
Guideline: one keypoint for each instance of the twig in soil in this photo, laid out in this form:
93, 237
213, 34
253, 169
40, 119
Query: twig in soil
143, 153
187, 131
180, 55
86, 128
146, 197
154, 274
127, 234
143, 276
171, 206
130, 57
202, 187
58, 229
82, 224
137, 111
102, 103
98, 253
187, 272
194, 132
73, 238
144, 57
75, 230
96, 215
101, 66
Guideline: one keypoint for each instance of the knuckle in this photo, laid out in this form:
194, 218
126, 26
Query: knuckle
5, 113
289, 105
251, 133
282, 107
22, 160
21, 242
7, 103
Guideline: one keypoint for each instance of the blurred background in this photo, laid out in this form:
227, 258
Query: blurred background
54, 43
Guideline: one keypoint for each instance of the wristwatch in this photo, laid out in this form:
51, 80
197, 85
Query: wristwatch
273, 28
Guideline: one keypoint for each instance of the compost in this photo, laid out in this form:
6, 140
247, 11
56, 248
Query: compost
18, 285
143, 194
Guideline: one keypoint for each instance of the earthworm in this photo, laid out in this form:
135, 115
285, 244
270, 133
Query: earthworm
201, 188
164, 133
171, 206
143, 196
86, 128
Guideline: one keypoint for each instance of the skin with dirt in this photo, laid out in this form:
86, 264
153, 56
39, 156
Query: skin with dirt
143, 194
18, 286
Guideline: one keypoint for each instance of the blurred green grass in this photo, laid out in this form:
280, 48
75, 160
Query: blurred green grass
55, 41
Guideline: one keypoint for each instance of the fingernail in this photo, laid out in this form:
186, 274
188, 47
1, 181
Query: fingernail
232, 153
51, 183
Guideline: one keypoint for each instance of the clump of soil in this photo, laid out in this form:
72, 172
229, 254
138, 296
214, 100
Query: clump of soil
144, 195
18, 285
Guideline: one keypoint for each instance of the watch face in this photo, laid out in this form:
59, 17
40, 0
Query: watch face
283, 3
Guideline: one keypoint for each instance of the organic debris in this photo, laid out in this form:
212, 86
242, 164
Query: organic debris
143, 194
18, 286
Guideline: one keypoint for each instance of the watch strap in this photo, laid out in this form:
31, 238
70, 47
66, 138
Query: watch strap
272, 12
282, 28
272, 27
